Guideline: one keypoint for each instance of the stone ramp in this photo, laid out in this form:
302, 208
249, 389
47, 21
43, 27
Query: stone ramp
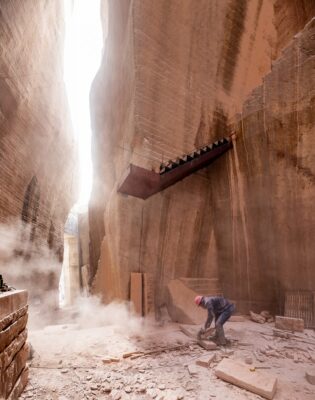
181, 306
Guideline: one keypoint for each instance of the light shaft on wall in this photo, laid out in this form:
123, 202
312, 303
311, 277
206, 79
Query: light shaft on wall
82, 56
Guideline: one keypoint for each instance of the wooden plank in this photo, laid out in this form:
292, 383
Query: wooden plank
136, 292
132, 353
109, 360
239, 374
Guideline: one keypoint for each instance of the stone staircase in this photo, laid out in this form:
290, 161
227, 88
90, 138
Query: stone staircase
186, 158
142, 183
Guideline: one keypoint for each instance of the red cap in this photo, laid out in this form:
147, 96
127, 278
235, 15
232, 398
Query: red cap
198, 300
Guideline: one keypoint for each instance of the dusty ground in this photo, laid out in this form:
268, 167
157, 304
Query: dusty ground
68, 364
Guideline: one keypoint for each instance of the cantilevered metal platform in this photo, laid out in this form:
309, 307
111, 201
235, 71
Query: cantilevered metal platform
142, 183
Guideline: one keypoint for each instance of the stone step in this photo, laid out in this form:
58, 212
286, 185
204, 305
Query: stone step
12, 301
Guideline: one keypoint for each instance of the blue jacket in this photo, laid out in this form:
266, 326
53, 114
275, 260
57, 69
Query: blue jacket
215, 305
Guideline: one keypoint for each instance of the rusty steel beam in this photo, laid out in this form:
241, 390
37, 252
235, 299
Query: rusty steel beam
142, 183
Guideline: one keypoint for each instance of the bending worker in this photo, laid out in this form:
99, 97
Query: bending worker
219, 309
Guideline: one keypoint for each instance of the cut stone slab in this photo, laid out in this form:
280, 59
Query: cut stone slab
310, 376
181, 306
289, 324
19, 385
6, 321
10, 376
206, 360
207, 344
192, 369
12, 301
10, 333
190, 330
239, 374
14, 347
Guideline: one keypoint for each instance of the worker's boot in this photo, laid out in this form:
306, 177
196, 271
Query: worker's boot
220, 338
213, 337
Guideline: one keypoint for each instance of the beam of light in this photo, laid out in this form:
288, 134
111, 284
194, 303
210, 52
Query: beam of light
82, 56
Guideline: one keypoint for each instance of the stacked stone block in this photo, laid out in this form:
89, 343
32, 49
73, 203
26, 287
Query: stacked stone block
13, 347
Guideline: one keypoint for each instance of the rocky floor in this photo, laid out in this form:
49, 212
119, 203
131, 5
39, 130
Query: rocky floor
73, 362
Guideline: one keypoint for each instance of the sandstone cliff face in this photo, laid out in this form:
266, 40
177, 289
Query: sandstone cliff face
37, 149
266, 231
173, 76
290, 17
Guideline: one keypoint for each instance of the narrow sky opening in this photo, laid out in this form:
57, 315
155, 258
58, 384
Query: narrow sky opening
82, 57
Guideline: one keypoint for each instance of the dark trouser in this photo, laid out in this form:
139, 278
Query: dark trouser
220, 320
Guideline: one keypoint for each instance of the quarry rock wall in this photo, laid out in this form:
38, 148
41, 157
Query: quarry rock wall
290, 17
37, 149
174, 76
266, 230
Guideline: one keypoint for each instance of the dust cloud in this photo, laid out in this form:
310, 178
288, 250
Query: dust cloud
26, 265
118, 315
40, 274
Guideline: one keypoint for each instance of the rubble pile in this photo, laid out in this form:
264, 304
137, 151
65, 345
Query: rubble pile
168, 363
